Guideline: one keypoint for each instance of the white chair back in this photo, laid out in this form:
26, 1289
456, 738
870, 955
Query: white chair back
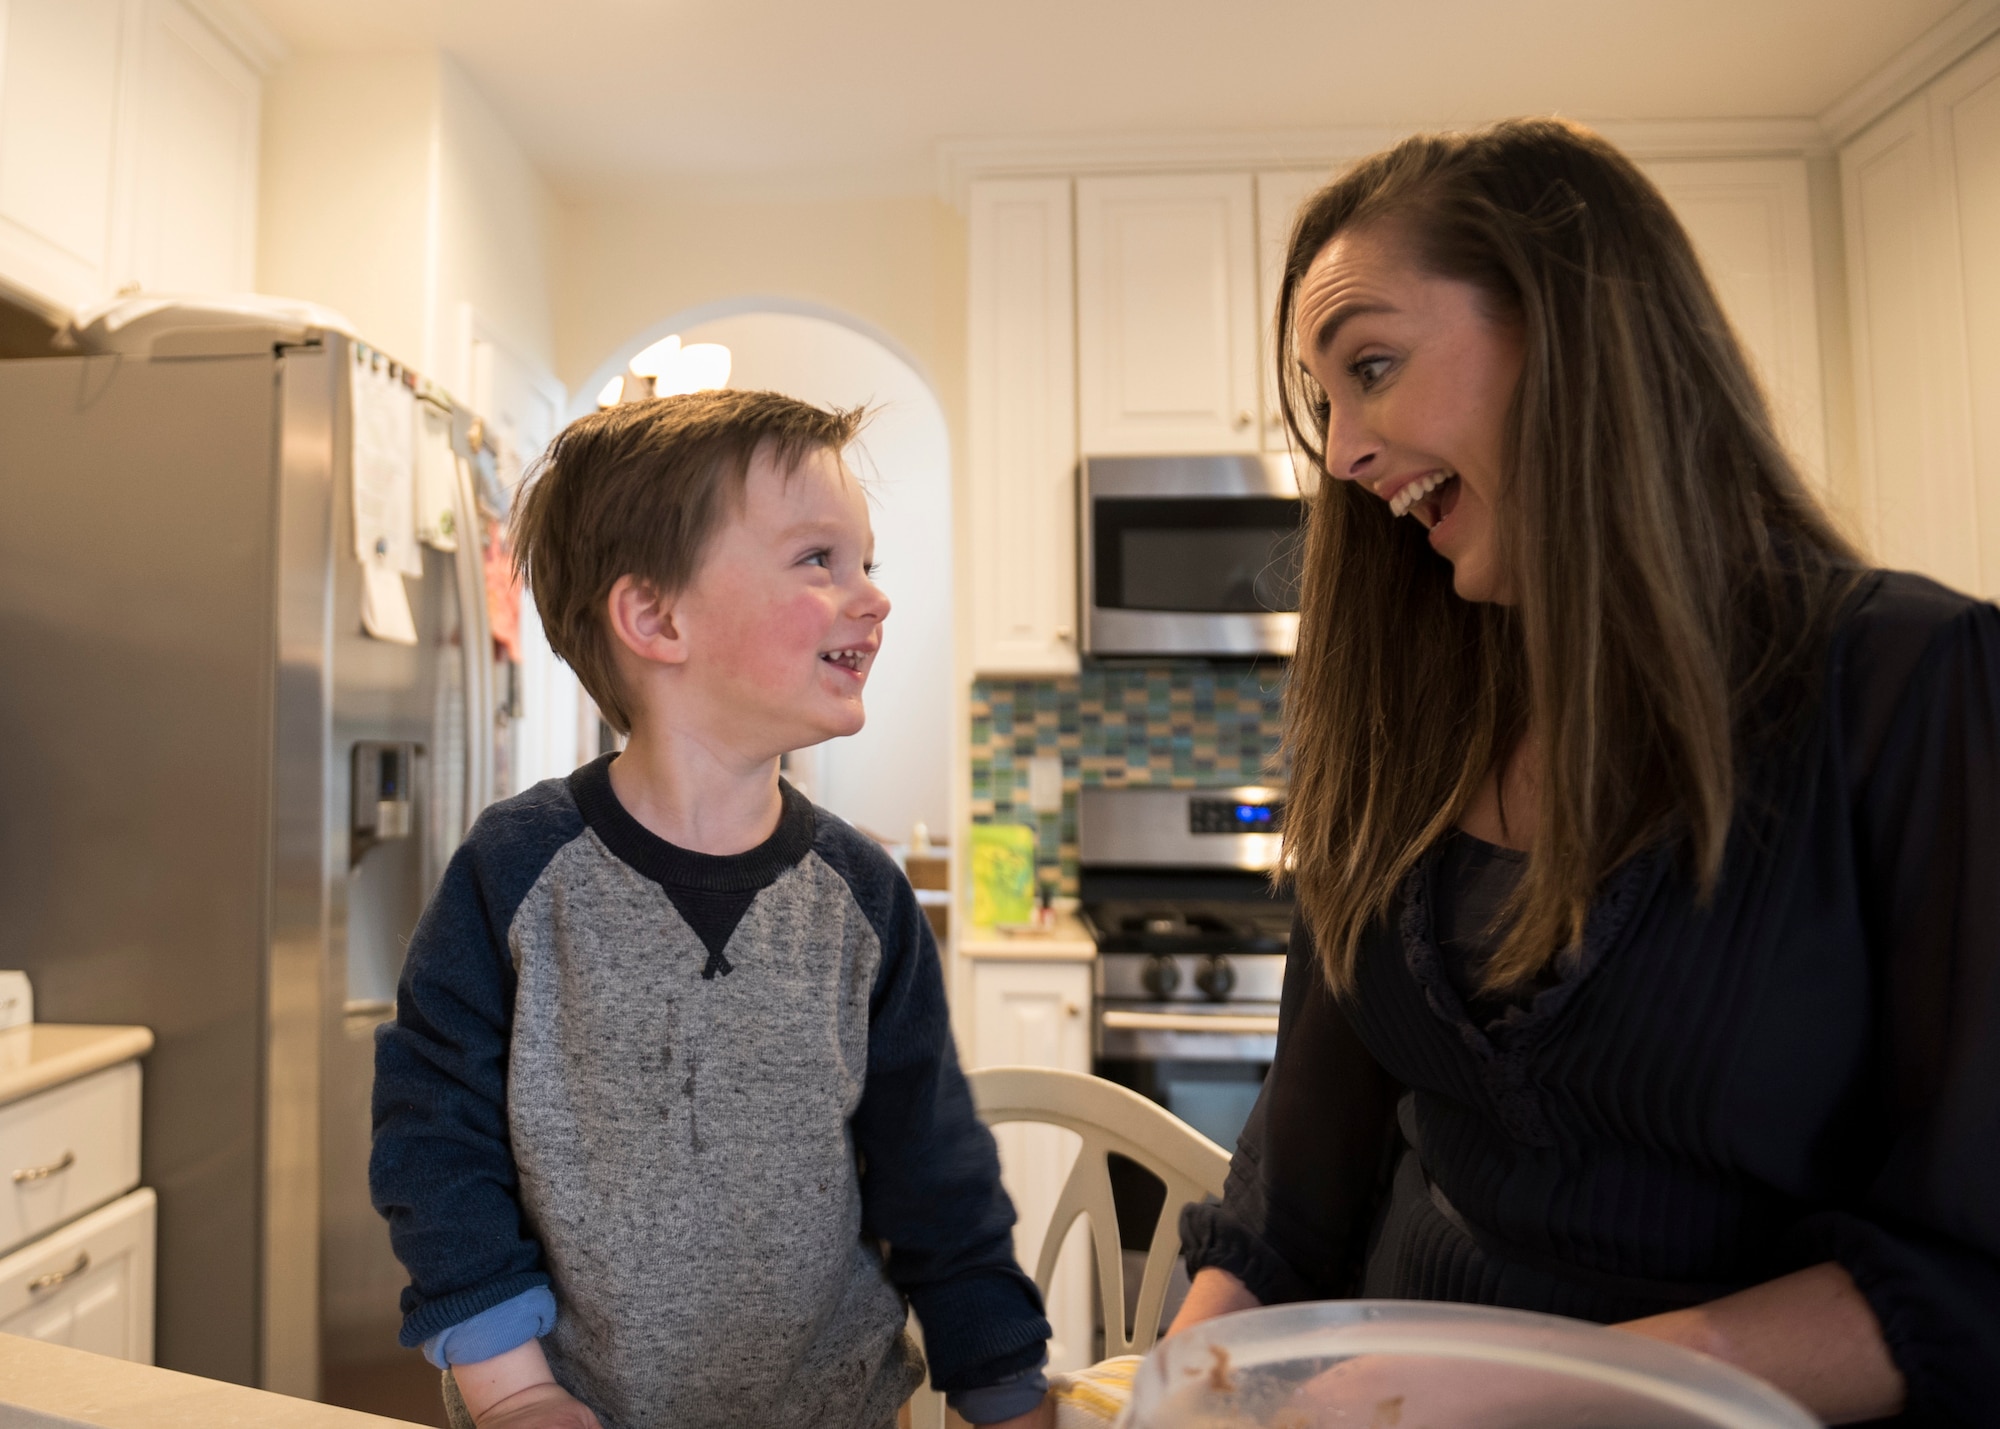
1110, 1119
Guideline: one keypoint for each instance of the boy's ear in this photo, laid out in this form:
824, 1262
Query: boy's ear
643, 620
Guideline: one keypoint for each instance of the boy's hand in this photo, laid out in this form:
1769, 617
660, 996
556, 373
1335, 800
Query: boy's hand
515, 1390
539, 1406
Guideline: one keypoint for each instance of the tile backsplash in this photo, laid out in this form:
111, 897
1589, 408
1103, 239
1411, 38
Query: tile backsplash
1180, 725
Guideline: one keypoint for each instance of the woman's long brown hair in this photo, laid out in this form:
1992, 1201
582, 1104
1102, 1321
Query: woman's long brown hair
1674, 579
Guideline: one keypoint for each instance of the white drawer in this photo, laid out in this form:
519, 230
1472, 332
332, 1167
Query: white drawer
66, 1151
88, 1285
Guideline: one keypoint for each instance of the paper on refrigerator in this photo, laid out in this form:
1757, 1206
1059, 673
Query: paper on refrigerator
436, 479
385, 510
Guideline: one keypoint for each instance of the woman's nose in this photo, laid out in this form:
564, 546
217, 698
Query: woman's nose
1350, 448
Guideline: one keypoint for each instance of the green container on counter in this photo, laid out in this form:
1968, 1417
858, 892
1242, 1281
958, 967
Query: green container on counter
1003, 874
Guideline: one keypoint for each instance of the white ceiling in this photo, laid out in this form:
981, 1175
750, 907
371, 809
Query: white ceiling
616, 97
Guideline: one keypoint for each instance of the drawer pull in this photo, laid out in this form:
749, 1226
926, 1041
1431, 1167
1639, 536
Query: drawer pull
42, 1173
57, 1277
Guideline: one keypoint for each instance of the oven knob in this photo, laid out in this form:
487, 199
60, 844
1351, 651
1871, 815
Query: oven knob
1162, 976
1216, 979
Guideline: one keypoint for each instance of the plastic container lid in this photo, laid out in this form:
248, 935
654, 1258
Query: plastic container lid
1396, 1364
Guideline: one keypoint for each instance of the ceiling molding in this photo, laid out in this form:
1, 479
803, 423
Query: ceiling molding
241, 28
1923, 60
961, 161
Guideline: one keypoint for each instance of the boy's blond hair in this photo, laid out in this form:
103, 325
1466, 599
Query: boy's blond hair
639, 490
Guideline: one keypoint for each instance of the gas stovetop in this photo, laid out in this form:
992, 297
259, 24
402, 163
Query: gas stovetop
1159, 926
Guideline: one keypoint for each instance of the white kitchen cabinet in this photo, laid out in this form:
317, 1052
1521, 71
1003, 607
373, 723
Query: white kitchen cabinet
1167, 353
128, 151
1021, 428
89, 1285
64, 69
1752, 228
1035, 1012
195, 210
67, 1150
1280, 193
1921, 192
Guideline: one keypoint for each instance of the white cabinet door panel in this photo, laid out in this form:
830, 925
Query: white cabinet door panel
1166, 314
1037, 1014
1916, 478
88, 1285
196, 214
1752, 227
1280, 193
61, 67
1965, 115
1021, 428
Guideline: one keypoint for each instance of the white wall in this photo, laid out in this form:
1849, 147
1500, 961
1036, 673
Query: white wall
897, 770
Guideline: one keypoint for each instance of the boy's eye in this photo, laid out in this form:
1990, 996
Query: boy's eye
869, 568
820, 557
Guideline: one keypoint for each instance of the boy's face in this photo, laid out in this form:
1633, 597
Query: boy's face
782, 620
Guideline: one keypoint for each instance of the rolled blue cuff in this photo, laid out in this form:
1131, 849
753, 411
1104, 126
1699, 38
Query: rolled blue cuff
508, 1325
991, 1403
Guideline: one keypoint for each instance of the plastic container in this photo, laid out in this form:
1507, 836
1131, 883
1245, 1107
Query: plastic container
1394, 1364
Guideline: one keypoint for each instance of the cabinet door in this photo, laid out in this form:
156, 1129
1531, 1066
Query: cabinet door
1167, 314
1916, 479
195, 216
1965, 148
1037, 1014
1752, 226
1021, 428
1280, 192
88, 1285
62, 66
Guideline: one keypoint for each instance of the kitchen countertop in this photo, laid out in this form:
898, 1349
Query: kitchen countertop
40, 1055
1066, 942
60, 1388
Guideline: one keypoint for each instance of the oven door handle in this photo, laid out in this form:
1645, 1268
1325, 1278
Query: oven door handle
1235, 1023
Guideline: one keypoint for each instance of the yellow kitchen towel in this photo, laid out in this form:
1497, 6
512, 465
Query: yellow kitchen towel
1093, 1398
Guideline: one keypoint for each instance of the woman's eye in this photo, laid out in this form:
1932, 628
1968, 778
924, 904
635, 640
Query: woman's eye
1367, 371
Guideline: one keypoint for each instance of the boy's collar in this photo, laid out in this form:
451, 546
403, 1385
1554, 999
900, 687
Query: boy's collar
671, 866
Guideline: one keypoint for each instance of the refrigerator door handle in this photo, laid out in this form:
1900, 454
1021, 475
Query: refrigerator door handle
476, 633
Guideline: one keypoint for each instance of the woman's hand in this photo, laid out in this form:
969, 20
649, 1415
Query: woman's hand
1811, 1333
1214, 1292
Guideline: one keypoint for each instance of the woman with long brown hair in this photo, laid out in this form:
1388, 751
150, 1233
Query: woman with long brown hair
1646, 842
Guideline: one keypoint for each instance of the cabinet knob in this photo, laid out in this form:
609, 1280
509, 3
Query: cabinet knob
1244, 419
1072, 1009
1064, 634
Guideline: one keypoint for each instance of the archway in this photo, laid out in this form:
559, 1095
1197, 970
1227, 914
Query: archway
897, 770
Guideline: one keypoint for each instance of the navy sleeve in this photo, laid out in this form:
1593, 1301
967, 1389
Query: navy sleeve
931, 1174
1308, 1170
441, 1169
1922, 1239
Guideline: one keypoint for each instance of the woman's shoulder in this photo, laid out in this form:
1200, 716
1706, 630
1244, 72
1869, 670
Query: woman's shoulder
1896, 626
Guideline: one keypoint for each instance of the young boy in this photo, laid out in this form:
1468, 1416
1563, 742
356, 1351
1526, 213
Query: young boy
669, 1122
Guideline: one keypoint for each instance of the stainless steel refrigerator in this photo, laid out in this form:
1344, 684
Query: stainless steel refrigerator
222, 803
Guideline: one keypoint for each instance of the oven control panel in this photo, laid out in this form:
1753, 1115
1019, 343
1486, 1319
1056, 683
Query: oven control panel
1233, 816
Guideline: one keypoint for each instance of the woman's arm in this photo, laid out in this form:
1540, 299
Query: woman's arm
1214, 1292
1809, 1333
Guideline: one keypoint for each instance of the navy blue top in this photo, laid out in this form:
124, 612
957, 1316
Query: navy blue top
1710, 1095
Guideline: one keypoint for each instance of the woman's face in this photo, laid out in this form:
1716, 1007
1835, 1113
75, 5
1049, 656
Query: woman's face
1419, 380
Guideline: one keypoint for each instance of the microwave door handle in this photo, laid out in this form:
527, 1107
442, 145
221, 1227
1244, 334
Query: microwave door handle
1235, 1024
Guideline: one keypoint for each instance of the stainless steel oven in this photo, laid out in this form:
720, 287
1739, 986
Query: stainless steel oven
1190, 941
1190, 555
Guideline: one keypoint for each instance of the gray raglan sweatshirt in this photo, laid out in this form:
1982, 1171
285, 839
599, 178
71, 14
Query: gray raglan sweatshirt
694, 1096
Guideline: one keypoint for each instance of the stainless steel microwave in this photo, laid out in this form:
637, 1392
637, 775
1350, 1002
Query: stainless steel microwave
1190, 555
